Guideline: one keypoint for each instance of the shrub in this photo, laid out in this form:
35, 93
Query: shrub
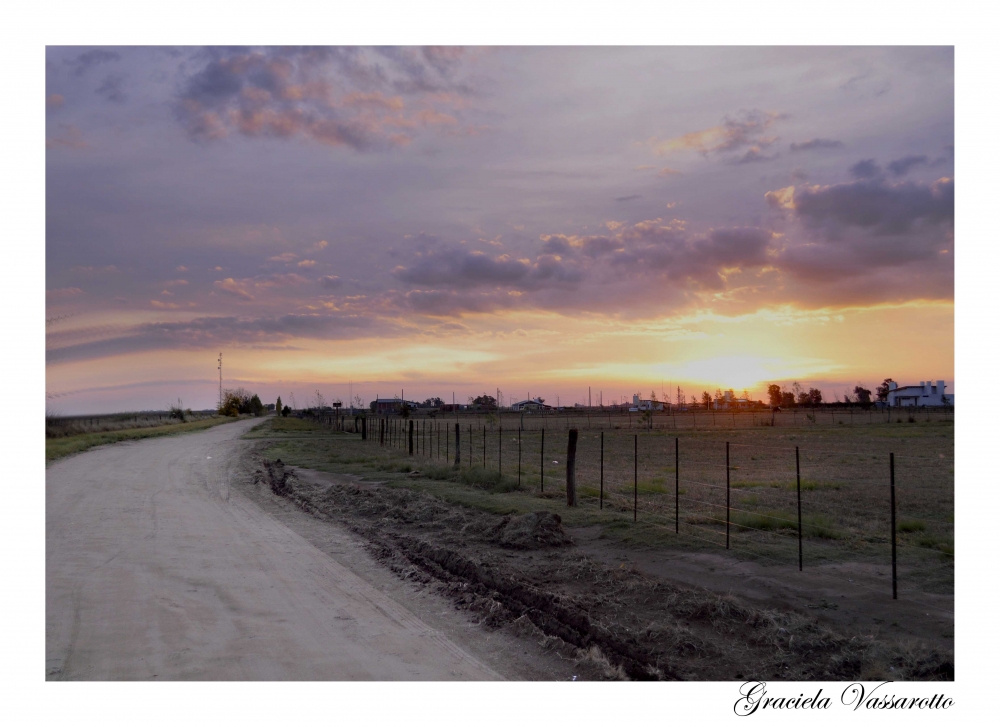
240, 401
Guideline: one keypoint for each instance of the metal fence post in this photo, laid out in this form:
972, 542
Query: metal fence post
571, 468
727, 495
500, 452
602, 470
543, 460
410, 440
458, 448
677, 485
520, 434
635, 479
798, 494
892, 507
484, 446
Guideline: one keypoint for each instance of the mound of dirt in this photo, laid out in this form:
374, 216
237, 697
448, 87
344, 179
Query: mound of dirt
531, 530
277, 478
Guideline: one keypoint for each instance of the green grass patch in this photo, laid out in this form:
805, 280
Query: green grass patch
911, 526
807, 485
813, 526
656, 486
65, 446
930, 541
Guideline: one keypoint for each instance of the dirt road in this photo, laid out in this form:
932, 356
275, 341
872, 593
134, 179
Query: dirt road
157, 569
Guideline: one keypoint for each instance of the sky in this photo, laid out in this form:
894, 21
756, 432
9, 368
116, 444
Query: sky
542, 221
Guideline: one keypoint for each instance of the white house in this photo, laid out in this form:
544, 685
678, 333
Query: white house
645, 404
926, 394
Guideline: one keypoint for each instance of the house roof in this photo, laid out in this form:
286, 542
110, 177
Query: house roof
911, 386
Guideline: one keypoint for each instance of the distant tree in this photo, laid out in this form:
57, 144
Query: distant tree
320, 401
787, 399
797, 390
239, 401
706, 399
718, 393
882, 390
433, 402
277, 406
862, 395
404, 410
803, 398
230, 406
484, 401
774, 395
815, 397
286, 411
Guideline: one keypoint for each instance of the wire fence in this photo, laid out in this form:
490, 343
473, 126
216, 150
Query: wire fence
783, 504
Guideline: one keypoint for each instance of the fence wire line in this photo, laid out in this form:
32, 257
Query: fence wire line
427, 434
783, 563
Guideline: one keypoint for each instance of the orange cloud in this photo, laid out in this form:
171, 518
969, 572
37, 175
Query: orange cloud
63, 292
743, 130
231, 287
783, 198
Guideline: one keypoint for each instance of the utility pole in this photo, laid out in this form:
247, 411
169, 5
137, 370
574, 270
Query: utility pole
220, 379
589, 402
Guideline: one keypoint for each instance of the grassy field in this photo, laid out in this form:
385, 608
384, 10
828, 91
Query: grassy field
843, 475
62, 446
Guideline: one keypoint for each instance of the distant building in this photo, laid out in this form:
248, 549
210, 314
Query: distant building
535, 404
926, 394
645, 404
730, 401
390, 406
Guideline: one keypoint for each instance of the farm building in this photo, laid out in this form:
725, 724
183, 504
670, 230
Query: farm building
645, 404
535, 404
391, 405
926, 394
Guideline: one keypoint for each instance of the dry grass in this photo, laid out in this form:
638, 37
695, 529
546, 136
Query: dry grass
68, 444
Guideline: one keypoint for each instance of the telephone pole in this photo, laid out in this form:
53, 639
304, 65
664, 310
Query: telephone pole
220, 379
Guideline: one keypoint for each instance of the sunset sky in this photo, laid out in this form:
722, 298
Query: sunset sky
536, 220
